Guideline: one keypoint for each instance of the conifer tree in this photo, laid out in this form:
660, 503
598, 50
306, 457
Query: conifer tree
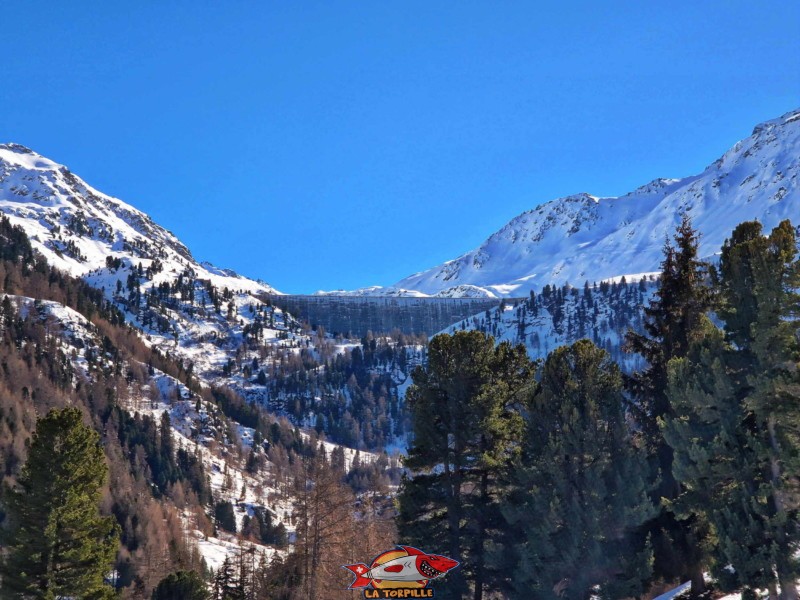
468, 425
581, 485
672, 322
224, 516
738, 410
182, 585
59, 544
226, 582
325, 528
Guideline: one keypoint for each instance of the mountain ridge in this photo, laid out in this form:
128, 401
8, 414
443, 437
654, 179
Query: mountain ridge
75, 226
584, 237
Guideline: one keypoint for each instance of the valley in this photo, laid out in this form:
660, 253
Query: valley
226, 405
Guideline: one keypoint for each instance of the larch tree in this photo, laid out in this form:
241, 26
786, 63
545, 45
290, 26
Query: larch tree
326, 530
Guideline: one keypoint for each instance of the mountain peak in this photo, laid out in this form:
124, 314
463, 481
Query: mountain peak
77, 228
18, 148
789, 117
22, 156
580, 237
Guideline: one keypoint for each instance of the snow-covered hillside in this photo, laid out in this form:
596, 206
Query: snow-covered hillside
602, 312
77, 228
194, 311
223, 328
582, 237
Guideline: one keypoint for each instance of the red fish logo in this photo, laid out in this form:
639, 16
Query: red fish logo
405, 567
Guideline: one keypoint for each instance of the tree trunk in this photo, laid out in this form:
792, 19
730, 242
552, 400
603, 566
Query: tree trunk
788, 589
698, 582
773, 591
480, 543
788, 585
454, 521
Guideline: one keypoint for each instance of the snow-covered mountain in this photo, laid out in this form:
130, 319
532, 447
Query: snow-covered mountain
582, 237
218, 334
457, 291
195, 311
224, 329
77, 228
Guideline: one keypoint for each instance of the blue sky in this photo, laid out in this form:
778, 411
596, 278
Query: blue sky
321, 145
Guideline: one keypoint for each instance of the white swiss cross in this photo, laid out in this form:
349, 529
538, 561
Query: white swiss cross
360, 569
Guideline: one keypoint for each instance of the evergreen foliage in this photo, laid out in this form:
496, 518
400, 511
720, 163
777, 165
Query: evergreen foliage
59, 544
601, 311
580, 486
182, 585
672, 322
261, 527
737, 400
224, 516
468, 426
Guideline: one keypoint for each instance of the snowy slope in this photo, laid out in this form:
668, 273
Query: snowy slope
602, 312
197, 426
458, 291
119, 249
77, 227
223, 328
582, 237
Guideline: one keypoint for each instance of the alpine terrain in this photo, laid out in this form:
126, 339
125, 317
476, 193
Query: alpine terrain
582, 237
247, 443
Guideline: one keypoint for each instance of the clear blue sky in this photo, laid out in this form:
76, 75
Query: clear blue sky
322, 145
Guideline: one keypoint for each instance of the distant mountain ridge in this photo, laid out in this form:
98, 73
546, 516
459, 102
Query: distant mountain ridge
456, 291
582, 237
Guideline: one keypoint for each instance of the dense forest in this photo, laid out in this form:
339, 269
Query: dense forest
351, 394
152, 488
565, 479
602, 312
348, 390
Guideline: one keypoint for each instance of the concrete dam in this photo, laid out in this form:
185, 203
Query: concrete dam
353, 316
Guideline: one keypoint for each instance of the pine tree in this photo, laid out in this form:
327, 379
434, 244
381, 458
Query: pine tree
182, 585
224, 516
581, 485
714, 459
226, 581
59, 544
738, 400
468, 425
672, 322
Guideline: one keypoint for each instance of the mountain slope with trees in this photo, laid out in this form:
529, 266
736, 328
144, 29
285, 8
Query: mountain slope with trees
180, 458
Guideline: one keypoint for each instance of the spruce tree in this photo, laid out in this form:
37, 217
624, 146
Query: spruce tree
58, 543
581, 486
224, 516
672, 322
466, 408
